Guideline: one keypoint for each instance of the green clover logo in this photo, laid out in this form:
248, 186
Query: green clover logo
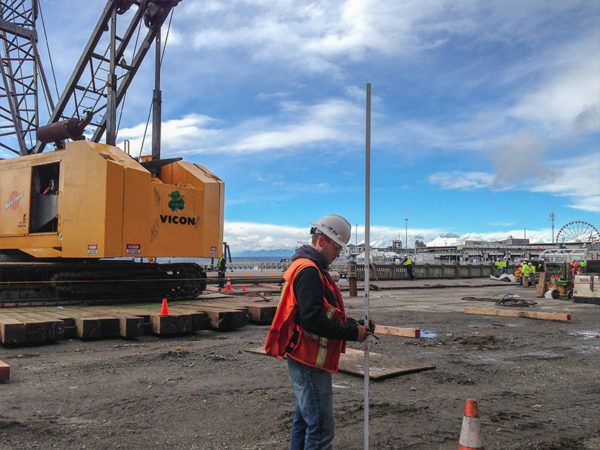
176, 201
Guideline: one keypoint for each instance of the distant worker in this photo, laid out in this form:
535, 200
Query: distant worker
575, 267
525, 272
532, 273
221, 269
311, 328
518, 274
409, 267
583, 266
498, 265
504, 266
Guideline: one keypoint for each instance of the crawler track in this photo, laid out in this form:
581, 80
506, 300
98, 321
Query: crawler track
108, 282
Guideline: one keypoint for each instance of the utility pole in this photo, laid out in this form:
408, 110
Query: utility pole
552, 216
406, 234
366, 364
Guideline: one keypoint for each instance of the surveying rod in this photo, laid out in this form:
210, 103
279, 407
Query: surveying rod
367, 258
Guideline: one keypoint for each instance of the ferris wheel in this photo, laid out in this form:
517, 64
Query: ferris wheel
578, 231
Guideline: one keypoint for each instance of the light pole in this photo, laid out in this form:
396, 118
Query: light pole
356, 235
406, 234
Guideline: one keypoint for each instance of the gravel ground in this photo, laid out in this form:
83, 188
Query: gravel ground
536, 383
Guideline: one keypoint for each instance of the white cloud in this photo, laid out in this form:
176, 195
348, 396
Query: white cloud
248, 236
568, 95
299, 125
575, 178
329, 120
191, 132
244, 236
462, 180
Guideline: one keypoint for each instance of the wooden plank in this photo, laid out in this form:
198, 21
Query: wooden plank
527, 314
12, 331
53, 329
144, 314
87, 327
226, 320
130, 326
171, 324
539, 288
37, 331
259, 311
97, 327
222, 318
398, 331
200, 320
380, 366
271, 287
4, 371
69, 328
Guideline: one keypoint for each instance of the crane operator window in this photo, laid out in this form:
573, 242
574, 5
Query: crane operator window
44, 198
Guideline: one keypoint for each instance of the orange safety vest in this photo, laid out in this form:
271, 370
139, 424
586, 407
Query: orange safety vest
286, 337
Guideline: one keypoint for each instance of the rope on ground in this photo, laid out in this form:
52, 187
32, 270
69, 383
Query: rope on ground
514, 301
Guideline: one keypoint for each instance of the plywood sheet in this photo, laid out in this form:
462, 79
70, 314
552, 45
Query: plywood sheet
380, 366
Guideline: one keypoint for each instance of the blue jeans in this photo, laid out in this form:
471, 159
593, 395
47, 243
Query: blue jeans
313, 421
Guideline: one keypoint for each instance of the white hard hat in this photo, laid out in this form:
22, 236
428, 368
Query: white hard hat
334, 227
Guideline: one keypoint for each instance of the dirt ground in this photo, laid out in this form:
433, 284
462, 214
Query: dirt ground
536, 383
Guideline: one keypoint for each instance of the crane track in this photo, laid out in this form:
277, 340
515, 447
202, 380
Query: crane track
106, 282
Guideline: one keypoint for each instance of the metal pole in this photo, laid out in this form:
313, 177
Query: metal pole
406, 235
111, 107
156, 104
367, 257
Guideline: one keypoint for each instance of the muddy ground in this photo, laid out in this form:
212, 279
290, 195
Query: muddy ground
536, 382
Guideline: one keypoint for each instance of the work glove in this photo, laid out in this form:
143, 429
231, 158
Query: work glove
371, 324
363, 333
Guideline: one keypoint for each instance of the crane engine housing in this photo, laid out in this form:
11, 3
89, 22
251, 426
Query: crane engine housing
91, 201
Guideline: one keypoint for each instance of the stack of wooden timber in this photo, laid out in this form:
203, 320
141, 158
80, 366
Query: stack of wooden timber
24, 326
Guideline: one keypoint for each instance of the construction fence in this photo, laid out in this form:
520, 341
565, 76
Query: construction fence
423, 271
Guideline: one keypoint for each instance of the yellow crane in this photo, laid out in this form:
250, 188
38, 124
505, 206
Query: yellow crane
80, 222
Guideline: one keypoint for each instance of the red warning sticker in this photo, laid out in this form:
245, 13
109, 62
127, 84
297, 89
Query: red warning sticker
134, 249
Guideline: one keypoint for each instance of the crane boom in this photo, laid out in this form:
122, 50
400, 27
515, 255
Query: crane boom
103, 54
21, 70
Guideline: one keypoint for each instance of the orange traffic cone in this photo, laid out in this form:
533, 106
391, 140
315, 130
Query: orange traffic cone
470, 433
243, 287
228, 287
164, 310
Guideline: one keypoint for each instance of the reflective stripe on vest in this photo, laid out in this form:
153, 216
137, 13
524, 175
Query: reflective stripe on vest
323, 343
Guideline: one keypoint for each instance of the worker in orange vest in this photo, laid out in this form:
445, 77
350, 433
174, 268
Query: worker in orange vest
311, 328
575, 267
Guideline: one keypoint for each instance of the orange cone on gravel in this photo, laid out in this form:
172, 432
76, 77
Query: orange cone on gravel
228, 287
243, 287
164, 310
470, 433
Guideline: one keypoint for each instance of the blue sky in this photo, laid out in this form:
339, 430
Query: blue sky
485, 114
